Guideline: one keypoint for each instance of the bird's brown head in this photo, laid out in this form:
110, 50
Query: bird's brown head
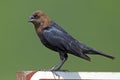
39, 19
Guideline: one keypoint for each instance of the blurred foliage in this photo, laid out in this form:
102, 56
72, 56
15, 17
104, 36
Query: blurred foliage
94, 22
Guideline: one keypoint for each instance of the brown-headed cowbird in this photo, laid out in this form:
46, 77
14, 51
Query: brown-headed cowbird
56, 38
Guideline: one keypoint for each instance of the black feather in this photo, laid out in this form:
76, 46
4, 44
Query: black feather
55, 38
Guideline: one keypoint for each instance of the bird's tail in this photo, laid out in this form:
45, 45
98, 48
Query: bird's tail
101, 53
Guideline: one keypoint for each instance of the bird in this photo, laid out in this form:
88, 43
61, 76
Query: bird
57, 39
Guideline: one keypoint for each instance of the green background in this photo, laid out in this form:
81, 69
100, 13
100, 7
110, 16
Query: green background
94, 22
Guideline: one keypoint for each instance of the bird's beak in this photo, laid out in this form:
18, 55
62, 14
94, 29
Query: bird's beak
31, 19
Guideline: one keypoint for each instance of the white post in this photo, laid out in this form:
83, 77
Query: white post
59, 75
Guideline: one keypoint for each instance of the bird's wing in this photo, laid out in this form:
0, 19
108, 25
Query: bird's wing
56, 38
63, 42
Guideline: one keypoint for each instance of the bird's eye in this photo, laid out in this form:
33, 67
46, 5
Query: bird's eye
36, 16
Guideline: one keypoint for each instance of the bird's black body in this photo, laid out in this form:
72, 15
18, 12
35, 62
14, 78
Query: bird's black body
57, 39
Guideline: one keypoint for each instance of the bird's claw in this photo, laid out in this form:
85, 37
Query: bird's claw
53, 69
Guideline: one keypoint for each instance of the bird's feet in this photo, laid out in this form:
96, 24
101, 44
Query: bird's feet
53, 69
